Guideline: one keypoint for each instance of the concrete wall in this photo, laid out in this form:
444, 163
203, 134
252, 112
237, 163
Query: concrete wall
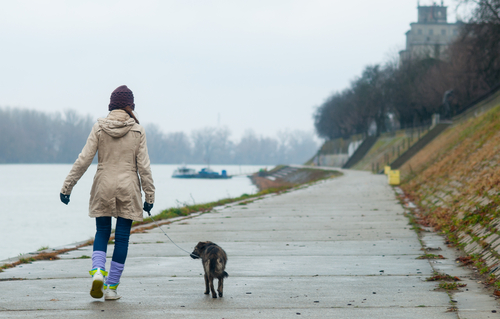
333, 160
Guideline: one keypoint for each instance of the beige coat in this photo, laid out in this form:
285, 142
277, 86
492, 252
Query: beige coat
122, 155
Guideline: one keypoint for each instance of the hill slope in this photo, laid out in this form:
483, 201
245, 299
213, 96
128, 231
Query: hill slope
455, 180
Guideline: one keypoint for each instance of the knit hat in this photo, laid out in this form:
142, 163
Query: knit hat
121, 97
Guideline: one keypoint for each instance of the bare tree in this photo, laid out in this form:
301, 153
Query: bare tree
253, 149
485, 11
28, 136
210, 143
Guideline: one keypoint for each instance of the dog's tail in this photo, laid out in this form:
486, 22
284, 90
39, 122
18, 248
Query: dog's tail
214, 264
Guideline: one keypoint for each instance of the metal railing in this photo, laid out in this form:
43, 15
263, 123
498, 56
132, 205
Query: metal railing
411, 136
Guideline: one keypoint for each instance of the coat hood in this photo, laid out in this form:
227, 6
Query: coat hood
117, 124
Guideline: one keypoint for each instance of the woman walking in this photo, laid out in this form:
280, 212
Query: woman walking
120, 143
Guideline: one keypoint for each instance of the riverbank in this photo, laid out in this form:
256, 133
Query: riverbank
289, 255
294, 178
170, 214
283, 177
31, 205
454, 182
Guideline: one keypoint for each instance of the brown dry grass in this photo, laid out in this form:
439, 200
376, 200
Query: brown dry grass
299, 177
456, 178
377, 153
429, 154
44, 256
264, 183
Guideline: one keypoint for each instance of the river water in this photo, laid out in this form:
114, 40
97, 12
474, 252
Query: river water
32, 216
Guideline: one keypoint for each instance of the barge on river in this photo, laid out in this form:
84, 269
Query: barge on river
185, 172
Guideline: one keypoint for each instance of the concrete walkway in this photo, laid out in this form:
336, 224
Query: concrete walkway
338, 249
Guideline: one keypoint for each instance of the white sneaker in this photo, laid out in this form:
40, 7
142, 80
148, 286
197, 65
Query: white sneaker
97, 283
111, 294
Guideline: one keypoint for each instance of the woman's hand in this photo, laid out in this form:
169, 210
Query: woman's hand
147, 207
64, 198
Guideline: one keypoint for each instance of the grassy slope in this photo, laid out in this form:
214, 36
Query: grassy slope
428, 155
457, 175
455, 180
376, 153
383, 146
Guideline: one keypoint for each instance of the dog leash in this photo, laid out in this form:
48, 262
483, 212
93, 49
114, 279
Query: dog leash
194, 256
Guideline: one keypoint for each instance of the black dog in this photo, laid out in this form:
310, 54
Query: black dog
214, 261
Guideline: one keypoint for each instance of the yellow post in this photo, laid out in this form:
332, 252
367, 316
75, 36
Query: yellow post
387, 169
394, 177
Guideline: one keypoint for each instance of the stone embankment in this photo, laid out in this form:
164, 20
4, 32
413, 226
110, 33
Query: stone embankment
283, 176
455, 182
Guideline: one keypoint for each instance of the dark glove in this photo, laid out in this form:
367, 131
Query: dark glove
64, 198
147, 207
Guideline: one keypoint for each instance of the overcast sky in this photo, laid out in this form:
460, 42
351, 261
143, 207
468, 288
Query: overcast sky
261, 65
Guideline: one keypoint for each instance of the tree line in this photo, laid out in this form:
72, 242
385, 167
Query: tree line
28, 136
390, 95
213, 145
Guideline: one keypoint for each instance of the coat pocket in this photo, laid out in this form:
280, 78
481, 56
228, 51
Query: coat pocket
102, 198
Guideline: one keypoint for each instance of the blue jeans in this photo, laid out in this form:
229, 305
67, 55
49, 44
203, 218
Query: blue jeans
122, 234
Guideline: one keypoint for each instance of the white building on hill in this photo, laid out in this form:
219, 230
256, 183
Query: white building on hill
431, 35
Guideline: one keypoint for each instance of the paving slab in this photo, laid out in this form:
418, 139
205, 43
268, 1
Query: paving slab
337, 249
319, 312
474, 300
239, 266
267, 293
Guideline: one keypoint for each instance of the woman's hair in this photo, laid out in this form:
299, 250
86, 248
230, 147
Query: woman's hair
130, 112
